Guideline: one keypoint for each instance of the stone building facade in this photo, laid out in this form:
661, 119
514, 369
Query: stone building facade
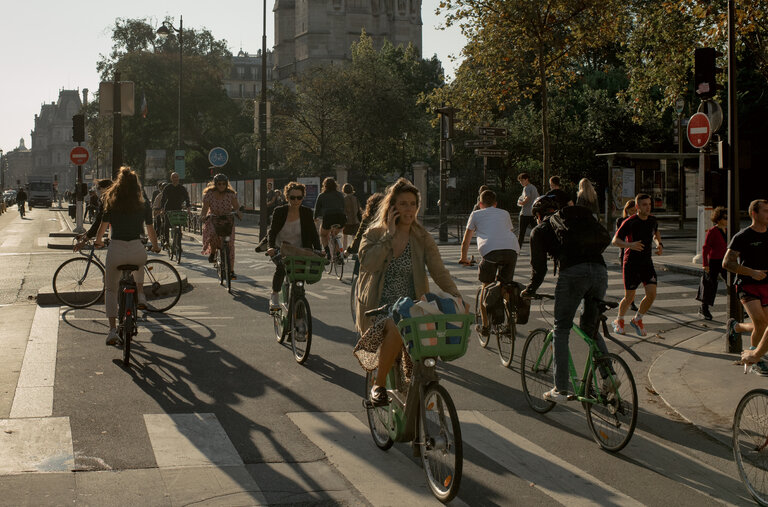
17, 165
244, 78
52, 139
320, 32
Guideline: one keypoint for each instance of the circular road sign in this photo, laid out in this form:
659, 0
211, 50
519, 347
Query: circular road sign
79, 155
699, 130
218, 157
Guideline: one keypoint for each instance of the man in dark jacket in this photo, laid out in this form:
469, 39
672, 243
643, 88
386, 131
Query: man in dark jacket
580, 278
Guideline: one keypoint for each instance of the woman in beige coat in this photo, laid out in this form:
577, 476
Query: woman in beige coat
395, 255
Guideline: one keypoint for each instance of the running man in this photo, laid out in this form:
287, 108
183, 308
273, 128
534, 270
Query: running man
497, 245
747, 257
635, 236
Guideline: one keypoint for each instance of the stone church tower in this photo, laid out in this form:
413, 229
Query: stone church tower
320, 32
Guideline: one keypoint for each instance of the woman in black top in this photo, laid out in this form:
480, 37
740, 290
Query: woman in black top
127, 213
293, 224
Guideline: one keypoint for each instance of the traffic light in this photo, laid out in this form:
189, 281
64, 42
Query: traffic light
705, 72
78, 128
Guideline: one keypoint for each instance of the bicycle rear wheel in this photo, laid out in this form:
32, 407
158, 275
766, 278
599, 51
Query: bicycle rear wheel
301, 329
353, 299
227, 268
78, 282
220, 265
440, 443
483, 339
279, 325
162, 285
750, 443
129, 325
341, 262
505, 338
537, 369
177, 244
612, 419
379, 418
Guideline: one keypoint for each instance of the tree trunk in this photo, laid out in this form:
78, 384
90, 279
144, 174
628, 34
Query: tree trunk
544, 121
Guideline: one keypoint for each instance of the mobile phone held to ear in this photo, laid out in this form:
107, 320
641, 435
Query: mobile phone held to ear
397, 215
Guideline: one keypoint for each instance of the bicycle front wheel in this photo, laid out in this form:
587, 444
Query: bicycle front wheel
505, 338
612, 418
227, 268
177, 245
340, 267
537, 369
483, 339
301, 330
79, 282
750, 443
162, 285
353, 299
379, 418
440, 443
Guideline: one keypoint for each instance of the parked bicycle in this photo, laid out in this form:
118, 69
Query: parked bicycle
175, 220
293, 318
223, 226
750, 443
423, 412
606, 389
79, 282
503, 325
336, 265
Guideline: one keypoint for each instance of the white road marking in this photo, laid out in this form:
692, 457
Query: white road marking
187, 440
563, 482
34, 391
11, 242
42, 241
36, 445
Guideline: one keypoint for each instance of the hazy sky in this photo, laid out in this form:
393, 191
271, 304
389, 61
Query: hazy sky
51, 45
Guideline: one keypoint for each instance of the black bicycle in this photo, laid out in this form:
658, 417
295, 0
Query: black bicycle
502, 323
175, 220
127, 307
223, 225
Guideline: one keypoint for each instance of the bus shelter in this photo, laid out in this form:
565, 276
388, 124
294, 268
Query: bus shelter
660, 175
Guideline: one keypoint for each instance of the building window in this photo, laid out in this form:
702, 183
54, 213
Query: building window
242, 90
241, 72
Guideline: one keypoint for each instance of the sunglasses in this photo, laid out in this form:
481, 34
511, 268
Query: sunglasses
222, 183
295, 197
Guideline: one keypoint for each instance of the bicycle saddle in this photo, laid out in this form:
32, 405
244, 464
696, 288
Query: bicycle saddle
128, 267
609, 305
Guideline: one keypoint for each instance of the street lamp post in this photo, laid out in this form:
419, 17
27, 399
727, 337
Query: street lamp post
163, 32
262, 157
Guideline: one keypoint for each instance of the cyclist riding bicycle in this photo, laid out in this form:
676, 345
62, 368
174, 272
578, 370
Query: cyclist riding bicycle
291, 223
583, 276
329, 208
395, 255
219, 198
21, 198
101, 189
174, 197
496, 243
127, 213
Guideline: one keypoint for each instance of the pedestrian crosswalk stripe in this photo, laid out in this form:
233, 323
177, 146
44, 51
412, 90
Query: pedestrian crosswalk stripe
11, 242
383, 478
36, 445
187, 440
562, 481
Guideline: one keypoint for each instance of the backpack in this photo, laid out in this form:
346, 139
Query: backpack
580, 235
494, 303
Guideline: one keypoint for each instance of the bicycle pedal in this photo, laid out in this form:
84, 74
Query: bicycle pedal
571, 397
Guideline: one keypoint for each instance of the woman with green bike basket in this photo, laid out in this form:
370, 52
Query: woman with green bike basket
395, 254
291, 223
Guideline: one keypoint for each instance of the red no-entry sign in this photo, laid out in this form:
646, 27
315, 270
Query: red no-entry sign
79, 155
699, 130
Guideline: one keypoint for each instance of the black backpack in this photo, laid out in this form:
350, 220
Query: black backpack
494, 303
580, 235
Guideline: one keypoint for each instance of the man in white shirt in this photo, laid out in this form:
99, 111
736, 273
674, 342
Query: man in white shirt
496, 243
529, 195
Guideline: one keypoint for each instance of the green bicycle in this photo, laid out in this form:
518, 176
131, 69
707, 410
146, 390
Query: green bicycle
606, 389
424, 413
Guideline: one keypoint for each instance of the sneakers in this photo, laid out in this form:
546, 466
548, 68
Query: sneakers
113, 338
379, 397
730, 331
618, 326
555, 395
274, 302
637, 324
212, 257
704, 312
760, 367
232, 275
610, 385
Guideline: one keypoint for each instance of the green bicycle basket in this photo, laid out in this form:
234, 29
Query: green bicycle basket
445, 336
177, 217
304, 268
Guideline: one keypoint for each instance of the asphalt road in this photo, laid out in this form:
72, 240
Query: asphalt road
213, 362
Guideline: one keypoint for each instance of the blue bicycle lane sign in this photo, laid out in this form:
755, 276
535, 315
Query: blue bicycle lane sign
218, 157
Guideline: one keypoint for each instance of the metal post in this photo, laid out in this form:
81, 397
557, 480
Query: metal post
262, 158
181, 77
117, 134
734, 307
681, 169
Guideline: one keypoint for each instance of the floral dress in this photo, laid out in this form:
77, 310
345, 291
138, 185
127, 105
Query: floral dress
219, 203
398, 282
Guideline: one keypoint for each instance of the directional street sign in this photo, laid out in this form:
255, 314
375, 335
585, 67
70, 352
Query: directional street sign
79, 155
699, 130
479, 143
492, 153
491, 131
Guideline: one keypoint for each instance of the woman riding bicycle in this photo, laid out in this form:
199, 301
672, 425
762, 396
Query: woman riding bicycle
395, 255
128, 214
291, 223
220, 199
371, 208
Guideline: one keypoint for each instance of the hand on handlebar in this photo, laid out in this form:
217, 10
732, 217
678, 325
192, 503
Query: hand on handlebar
271, 252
